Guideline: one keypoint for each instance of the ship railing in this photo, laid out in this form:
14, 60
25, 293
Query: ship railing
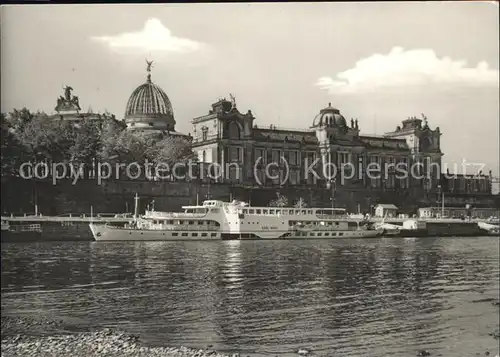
332, 216
174, 228
191, 228
174, 215
26, 228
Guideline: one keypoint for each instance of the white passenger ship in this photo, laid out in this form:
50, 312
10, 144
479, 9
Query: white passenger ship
235, 220
195, 223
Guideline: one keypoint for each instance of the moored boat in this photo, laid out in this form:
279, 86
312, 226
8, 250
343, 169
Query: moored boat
195, 223
236, 220
489, 229
20, 232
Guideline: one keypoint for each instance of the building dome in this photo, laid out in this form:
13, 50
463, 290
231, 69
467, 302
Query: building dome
149, 107
329, 117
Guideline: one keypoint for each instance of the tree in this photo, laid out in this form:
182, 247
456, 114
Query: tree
279, 201
111, 130
301, 203
86, 142
42, 139
173, 150
37, 138
11, 150
19, 118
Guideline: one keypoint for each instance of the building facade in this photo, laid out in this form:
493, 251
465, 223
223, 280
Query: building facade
406, 161
231, 140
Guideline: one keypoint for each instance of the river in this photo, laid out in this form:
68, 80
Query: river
373, 297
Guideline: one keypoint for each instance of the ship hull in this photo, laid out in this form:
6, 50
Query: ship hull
29, 236
329, 234
111, 233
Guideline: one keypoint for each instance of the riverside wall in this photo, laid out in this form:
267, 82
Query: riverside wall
19, 196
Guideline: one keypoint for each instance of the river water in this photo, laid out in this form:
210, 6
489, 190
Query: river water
376, 297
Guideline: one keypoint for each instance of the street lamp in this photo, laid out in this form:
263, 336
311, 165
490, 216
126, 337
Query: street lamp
440, 193
333, 185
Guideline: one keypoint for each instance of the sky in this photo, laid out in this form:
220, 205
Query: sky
379, 62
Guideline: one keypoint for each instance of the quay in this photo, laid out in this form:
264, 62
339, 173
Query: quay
76, 227
76, 219
111, 218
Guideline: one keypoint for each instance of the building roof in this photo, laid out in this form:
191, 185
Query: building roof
385, 205
149, 102
329, 116
147, 99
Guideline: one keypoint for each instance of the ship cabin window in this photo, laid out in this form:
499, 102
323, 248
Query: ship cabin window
184, 234
304, 211
213, 234
341, 234
204, 234
309, 211
264, 211
319, 234
190, 222
175, 234
312, 234
251, 211
257, 211
271, 211
195, 234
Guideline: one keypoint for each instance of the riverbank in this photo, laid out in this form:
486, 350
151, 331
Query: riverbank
99, 343
105, 343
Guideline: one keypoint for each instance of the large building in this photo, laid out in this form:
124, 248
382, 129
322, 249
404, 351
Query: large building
331, 154
226, 136
241, 150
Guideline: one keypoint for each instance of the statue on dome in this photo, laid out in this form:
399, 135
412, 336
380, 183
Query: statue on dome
149, 64
352, 123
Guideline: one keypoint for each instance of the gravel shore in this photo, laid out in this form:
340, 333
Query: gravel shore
101, 343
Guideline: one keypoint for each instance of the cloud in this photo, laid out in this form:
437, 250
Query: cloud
153, 37
402, 68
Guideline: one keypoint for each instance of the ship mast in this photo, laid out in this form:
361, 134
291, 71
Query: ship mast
136, 206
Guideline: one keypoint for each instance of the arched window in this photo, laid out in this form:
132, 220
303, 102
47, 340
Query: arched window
425, 144
234, 130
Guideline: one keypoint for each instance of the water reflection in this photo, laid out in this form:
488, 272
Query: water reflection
384, 297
